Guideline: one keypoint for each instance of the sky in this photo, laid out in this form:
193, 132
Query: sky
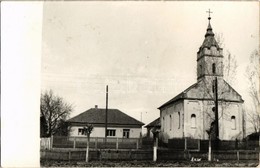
144, 51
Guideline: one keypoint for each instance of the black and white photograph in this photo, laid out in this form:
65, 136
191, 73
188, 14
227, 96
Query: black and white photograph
130, 83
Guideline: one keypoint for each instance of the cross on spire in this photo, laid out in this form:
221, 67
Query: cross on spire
209, 13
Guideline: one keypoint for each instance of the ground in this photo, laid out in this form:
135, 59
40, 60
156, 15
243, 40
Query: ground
45, 163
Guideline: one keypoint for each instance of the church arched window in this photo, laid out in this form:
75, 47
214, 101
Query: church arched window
200, 69
213, 87
179, 118
213, 68
193, 121
170, 122
163, 123
233, 122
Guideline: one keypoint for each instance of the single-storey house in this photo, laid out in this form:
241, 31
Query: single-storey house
119, 124
156, 124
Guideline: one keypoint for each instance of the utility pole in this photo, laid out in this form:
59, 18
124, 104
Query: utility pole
106, 117
216, 112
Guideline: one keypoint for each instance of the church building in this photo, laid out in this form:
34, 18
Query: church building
190, 113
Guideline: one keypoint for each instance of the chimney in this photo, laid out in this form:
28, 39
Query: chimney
96, 106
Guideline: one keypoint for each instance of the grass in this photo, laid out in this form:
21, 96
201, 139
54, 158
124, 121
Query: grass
50, 163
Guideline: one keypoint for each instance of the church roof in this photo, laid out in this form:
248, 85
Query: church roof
197, 92
178, 97
155, 123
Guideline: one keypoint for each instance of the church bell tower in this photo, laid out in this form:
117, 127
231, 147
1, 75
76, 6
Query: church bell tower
209, 57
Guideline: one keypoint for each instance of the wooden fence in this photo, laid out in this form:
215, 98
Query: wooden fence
123, 154
136, 143
95, 142
45, 143
202, 145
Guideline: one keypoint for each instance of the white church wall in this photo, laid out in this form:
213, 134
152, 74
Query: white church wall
193, 119
231, 125
208, 117
226, 111
196, 117
172, 121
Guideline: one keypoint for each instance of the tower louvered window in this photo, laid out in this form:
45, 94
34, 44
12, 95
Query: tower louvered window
213, 68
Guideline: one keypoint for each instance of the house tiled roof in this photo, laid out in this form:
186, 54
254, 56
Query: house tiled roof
97, 116
155, 123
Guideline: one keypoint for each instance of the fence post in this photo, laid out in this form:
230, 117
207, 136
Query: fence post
100, 155
199, 144
155, 149
238, 156
69, 156
137, 144
209, 154
48, 143
74, 142
96, 140
51, 143
185, 144
117, 143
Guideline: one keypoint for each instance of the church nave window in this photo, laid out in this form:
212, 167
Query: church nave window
170, 122
193, 121
179, 118
163, 124
233, 122
213, 87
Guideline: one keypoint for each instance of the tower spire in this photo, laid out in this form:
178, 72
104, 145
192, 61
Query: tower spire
209, 29
209, 49
209, 14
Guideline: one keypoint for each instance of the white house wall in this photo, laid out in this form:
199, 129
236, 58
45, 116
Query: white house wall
100, 132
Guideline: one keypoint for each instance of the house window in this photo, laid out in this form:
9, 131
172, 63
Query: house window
233, 122
170, 122
111, 132
193, 121
179, 118
81, 131
126, 133
213, 68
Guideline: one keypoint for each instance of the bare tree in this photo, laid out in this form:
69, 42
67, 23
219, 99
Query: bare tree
53, 109
229, 68
230, 61
220, 92
63, 128
43, 127
87, 131
252, 75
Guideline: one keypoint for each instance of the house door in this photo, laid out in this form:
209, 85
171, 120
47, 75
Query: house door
126, 133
